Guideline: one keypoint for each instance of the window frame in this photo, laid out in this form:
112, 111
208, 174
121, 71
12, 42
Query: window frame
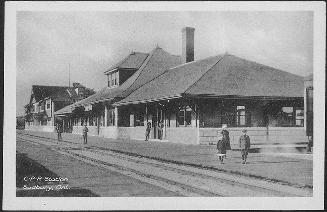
48, 103
186, 112
111, 117
290, 117
238, 115
296, 117
139, 118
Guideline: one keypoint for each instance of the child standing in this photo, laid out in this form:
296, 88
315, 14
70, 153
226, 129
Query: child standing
245, 144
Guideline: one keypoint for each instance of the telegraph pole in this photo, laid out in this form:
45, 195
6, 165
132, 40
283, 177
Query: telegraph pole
69, 76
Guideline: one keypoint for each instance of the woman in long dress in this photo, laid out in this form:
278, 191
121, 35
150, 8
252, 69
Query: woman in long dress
221, 148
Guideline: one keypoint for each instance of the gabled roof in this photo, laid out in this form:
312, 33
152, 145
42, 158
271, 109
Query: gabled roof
156, 63
133, 61
57, 93
222, 75
65, 110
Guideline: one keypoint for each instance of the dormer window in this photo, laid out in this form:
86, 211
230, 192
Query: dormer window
113, 79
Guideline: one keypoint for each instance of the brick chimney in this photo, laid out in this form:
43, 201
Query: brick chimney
187, 44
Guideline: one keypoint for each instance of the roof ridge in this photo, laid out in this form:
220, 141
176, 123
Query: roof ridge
119, 63
138, 53
145, 62
270, 67
194, 61
169, 69
205, 73
150, 55
62, 86
147, 82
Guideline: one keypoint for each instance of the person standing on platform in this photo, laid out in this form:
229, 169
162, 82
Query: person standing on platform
58, 129
221, 148
225, 135
161, 126
147, 131
244, 143
85, 130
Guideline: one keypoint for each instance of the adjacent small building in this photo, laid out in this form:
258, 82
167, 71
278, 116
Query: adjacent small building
45, 100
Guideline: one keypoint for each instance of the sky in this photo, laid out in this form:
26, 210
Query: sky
50, 44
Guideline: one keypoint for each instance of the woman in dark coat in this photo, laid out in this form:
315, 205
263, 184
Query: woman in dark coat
226, 138
221, 148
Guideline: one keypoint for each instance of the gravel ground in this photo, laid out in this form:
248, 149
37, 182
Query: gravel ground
276, 167
83, 179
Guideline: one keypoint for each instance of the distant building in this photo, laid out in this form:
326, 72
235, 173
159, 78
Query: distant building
45, 100
191, 100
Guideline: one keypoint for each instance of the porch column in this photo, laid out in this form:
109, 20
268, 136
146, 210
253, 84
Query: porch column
116, 116
165, 124
146, 113
52, 112
63, 124
185, 123
105, 115
196, 116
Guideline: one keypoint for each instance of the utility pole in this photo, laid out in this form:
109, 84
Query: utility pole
69, 76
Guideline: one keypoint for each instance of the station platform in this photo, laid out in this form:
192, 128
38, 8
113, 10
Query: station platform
294, 169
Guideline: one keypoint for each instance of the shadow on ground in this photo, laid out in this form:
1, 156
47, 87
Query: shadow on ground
27, 185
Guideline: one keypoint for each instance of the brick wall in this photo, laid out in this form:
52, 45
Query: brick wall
258, 135
185, 135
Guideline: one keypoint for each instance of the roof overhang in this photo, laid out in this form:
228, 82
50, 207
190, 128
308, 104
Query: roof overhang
62, 114
147, 100
110, 70
213, 96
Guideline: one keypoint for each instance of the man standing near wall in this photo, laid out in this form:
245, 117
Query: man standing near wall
85, 130
161, 126
147, 131
244, 144
58, 129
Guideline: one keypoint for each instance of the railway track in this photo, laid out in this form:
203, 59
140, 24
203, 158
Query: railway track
186, 180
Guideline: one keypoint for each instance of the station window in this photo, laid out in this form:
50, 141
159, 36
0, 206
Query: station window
287, 117
90, 121
139, 119
111, 117
299, 117
184, 116
113, 79
48, 104
240, 116
42, 106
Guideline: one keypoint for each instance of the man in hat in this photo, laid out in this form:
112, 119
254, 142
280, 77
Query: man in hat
58, 129
244, 144
147, 131
85, 130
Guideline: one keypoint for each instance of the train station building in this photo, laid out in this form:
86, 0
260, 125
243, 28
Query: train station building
188, 101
